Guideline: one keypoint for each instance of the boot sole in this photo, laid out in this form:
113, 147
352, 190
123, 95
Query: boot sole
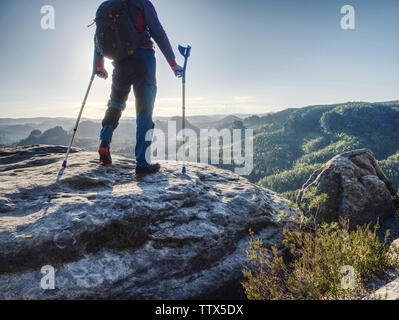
142, 175
104, 154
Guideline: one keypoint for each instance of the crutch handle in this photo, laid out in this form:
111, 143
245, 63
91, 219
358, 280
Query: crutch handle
185, 52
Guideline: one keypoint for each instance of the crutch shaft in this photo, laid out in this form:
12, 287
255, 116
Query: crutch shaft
184, 121
78, 120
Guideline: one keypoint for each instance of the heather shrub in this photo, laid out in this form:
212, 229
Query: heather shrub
325, 261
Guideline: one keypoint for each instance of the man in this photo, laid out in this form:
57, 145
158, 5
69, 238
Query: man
138, 70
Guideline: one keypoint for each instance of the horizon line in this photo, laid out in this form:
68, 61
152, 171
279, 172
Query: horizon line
277, 109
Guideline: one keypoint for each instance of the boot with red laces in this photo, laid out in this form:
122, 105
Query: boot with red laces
105, 155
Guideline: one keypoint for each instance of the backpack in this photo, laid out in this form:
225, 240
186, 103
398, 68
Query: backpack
116, 35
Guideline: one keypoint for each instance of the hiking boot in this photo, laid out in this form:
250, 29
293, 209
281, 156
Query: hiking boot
105, 155
141, 172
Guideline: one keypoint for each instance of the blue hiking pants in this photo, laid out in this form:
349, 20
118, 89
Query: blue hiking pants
138, 70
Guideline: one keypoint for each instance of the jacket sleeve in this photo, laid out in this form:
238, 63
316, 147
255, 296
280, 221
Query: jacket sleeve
157, 32
98, 60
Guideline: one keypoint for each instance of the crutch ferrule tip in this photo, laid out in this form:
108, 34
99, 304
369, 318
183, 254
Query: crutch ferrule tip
184, 171
64, 164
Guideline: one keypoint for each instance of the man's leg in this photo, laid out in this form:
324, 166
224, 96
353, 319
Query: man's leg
110, 123
144, 125
111, 120
116, 105
145, 90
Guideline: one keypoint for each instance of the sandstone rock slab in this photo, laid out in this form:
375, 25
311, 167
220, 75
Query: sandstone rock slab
110, 236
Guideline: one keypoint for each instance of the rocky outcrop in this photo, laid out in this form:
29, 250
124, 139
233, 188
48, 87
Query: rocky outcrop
356, 188
388, 292
109, 236
394, 250
385, 285
54, 136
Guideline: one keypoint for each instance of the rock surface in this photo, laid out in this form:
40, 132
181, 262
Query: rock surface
356, 188
109, 236
388, 292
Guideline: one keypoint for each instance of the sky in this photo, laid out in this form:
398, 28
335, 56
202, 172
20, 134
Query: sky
251, 57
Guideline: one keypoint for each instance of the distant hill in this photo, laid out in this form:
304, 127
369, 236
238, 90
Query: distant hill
89, 129
54, 136
14, 130
163, 125
12, 133
226, 122
216, 122
288, 145
295, 142
41, 123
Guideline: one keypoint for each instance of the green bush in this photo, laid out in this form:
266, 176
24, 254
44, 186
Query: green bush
316, 273
319, 259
